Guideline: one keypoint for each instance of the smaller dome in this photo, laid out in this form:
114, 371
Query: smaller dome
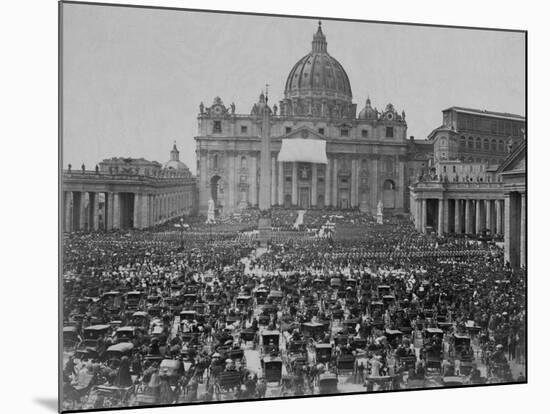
368, 112
175, 163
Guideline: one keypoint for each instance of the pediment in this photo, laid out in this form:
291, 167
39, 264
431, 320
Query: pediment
305, 132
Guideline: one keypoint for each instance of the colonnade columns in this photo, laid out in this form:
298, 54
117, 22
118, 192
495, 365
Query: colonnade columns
294, 183
82, 211
446, 218
313, 185
458, 214
273, 181
479, 217
498, 205
281, 185
95, 211
67, 213
116, 211
327, 183
522, 232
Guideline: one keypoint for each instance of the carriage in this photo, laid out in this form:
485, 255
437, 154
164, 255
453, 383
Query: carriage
115, 352
243, 302
70, 338
91, 346
275, 296
141, 319
335, 282
272, 369
134, 300
313, 330
125, 334
297, 347
247, 335
383, 290
261, 295
350, 325
462, 351
345, 363
270, 342
328, 384
188, 315
323, 353
394, 336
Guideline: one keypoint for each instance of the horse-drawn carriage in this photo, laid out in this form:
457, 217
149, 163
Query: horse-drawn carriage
345, 362
272, 369
328, 383
462, 351
270, 342
323, 353
71, 338
313, 330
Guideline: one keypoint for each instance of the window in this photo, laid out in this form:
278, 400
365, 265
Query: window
288, 130
344, 180
215, 161
217, 127
364, 164
486, 144
462, 143
478, 143
501, 146
444, 168
493, 145
244, 129
288, 179
244, 162
344, 132
322, 131
454, 168
365, 133
389, 132
470, 143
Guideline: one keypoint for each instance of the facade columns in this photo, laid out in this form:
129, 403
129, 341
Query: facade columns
468, 218
273, 181
116, 210
294, 183
335, 183
446, 218
458, 211
498, 205
440, 217
328, 171
137, 211
96, 211
479, 217
281, 185
522, 232
424, 215
508, 233
314, 184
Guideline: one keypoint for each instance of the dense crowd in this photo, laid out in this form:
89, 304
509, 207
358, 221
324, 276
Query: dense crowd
161, 316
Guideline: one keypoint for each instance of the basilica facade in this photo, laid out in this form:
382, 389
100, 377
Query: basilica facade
364, 158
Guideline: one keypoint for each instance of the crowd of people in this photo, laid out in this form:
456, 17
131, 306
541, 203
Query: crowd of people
164, 315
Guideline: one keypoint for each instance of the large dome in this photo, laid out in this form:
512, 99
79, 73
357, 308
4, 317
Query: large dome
318, 74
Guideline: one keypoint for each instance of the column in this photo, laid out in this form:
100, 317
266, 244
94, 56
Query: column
294, 183
522, 232
281, 183
353, 183
67, 210
313, 185
440, 218
458, 211
116, 211
498, 205
508, 233
328, 172
468, 218
273, 181
489, 216
96, 211
424, 220
446, 218
479, 217
145, 200
335, 183
82, 212
109, 199
137, 210
253, 177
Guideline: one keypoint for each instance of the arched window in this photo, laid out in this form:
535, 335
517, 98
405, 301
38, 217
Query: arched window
389, 185
244, 162
478, 143
470, 143
486, 144
462, 142
493, 145
500, 146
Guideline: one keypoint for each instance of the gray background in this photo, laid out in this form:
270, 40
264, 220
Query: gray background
133, 78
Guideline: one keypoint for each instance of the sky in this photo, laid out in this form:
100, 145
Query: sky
133, 78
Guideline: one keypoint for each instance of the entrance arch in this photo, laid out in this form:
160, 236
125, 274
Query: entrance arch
214, 188
388, 197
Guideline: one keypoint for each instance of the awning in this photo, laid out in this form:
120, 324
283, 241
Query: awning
303, 150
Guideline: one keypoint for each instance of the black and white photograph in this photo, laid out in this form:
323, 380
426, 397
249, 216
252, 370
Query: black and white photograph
259, 206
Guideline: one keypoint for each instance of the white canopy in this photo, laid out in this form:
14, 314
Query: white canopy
303, 150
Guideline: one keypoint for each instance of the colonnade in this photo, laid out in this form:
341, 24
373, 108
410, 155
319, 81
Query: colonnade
99, 210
